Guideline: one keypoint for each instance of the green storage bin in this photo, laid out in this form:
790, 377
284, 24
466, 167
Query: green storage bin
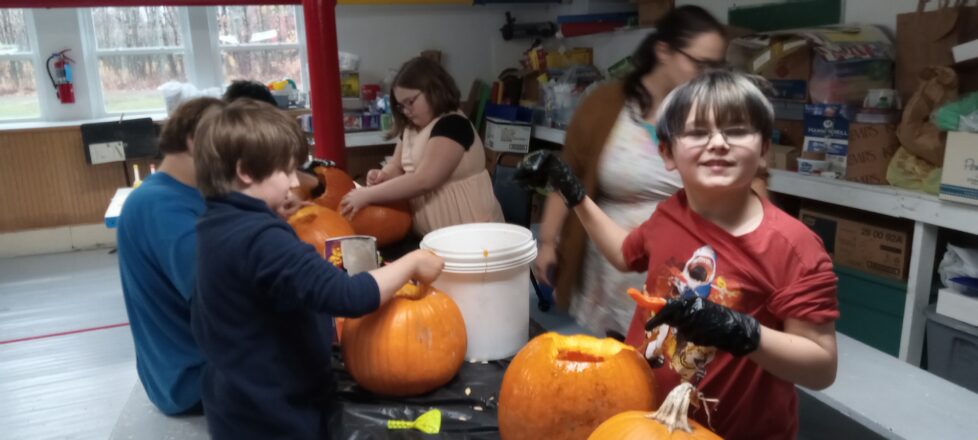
871, 309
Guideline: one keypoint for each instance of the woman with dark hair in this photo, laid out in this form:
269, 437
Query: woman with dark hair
611, 145
439, 162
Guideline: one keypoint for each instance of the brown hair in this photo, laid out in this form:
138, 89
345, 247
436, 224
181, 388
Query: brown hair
676, 29
255, 135
183, 122
433, 81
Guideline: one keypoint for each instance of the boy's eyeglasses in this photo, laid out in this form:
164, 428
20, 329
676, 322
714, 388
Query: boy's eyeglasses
704, 64
733, 136
407, 103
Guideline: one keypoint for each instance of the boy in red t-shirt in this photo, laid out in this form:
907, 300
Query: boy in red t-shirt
751, 296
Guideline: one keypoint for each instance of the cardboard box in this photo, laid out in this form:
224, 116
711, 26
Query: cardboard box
827, 131
871, 146
788, 66
792, 132
871, 244
957, 305
783, 157
508, 136
650, 11
959, 178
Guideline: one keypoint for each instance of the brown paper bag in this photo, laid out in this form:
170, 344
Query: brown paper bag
925, 38
916, 132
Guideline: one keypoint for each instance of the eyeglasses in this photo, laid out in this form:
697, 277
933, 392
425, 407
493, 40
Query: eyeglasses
733, 136
704, 64
407, 103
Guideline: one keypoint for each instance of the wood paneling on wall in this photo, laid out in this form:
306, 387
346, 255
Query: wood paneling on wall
46, 182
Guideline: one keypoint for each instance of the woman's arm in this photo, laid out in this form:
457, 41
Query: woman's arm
804, 353
603, 231
554, 214
441, 158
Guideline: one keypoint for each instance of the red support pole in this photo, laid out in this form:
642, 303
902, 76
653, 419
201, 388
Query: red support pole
324, 78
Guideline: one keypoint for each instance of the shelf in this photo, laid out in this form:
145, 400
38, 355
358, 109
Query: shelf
881, 199
367, 139
548, 134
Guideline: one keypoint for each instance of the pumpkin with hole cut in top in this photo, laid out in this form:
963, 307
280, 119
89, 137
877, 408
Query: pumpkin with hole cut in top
388, 223
565, 386
412, 345
337, 183
314, 224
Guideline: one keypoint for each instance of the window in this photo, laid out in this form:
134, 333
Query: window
18, 83
261, 43
138, 49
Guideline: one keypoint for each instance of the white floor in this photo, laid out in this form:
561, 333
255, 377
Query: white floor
67, 364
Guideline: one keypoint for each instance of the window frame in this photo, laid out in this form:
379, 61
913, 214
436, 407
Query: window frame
93, 55
218, 49
41, 80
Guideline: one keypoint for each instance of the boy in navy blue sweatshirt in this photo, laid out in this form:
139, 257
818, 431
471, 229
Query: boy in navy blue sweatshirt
262, 295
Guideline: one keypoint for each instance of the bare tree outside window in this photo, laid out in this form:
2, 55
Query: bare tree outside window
259, 43
138, 49
18, 86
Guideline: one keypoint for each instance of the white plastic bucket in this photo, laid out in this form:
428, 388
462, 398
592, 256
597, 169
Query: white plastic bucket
487, 273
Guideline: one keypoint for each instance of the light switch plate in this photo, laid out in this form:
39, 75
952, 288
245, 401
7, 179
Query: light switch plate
105, 152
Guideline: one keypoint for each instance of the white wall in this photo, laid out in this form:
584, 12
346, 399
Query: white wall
468, 36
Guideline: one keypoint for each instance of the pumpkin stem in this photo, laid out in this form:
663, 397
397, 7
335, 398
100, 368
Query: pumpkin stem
674, 412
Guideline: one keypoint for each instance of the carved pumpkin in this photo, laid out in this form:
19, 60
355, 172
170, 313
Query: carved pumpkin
337, 184
641, 425
389, 223
565, 386
412, 345
314, 224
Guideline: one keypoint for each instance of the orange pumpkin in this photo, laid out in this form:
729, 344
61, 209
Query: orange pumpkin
565, 386
314, 224
389, 224
337, 184
639, 425
412, 345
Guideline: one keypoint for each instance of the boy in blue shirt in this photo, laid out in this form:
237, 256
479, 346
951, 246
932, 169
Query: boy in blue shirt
262, 295
157, 262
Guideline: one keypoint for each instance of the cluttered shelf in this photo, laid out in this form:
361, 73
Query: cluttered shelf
881, 199
367, 138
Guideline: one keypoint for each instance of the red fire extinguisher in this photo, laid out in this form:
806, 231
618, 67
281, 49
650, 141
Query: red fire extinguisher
61, 77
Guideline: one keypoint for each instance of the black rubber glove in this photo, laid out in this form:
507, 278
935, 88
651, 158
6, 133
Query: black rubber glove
543, 167
709, 324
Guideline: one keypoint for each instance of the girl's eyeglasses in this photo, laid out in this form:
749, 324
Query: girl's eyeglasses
704, 64
407, 103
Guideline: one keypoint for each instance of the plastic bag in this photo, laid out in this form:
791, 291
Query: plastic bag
949, 116
958, 262
175, 93
916, 132
911, 172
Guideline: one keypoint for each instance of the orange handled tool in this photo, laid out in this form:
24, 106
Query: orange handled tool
647, 302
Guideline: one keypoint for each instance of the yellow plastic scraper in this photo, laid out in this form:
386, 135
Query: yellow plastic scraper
428, 423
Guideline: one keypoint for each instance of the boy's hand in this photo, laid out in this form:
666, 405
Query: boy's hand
709, 324
542, 167
429, 265
290, 207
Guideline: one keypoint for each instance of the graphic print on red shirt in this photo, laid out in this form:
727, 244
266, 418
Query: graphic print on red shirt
778, 271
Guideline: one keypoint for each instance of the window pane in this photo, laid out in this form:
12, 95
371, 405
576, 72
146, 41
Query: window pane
13, 32
120, 28
18, 90
256, 24
263, 66
129, 82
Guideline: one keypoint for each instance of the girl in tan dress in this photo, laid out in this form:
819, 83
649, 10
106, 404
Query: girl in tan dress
439, 162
